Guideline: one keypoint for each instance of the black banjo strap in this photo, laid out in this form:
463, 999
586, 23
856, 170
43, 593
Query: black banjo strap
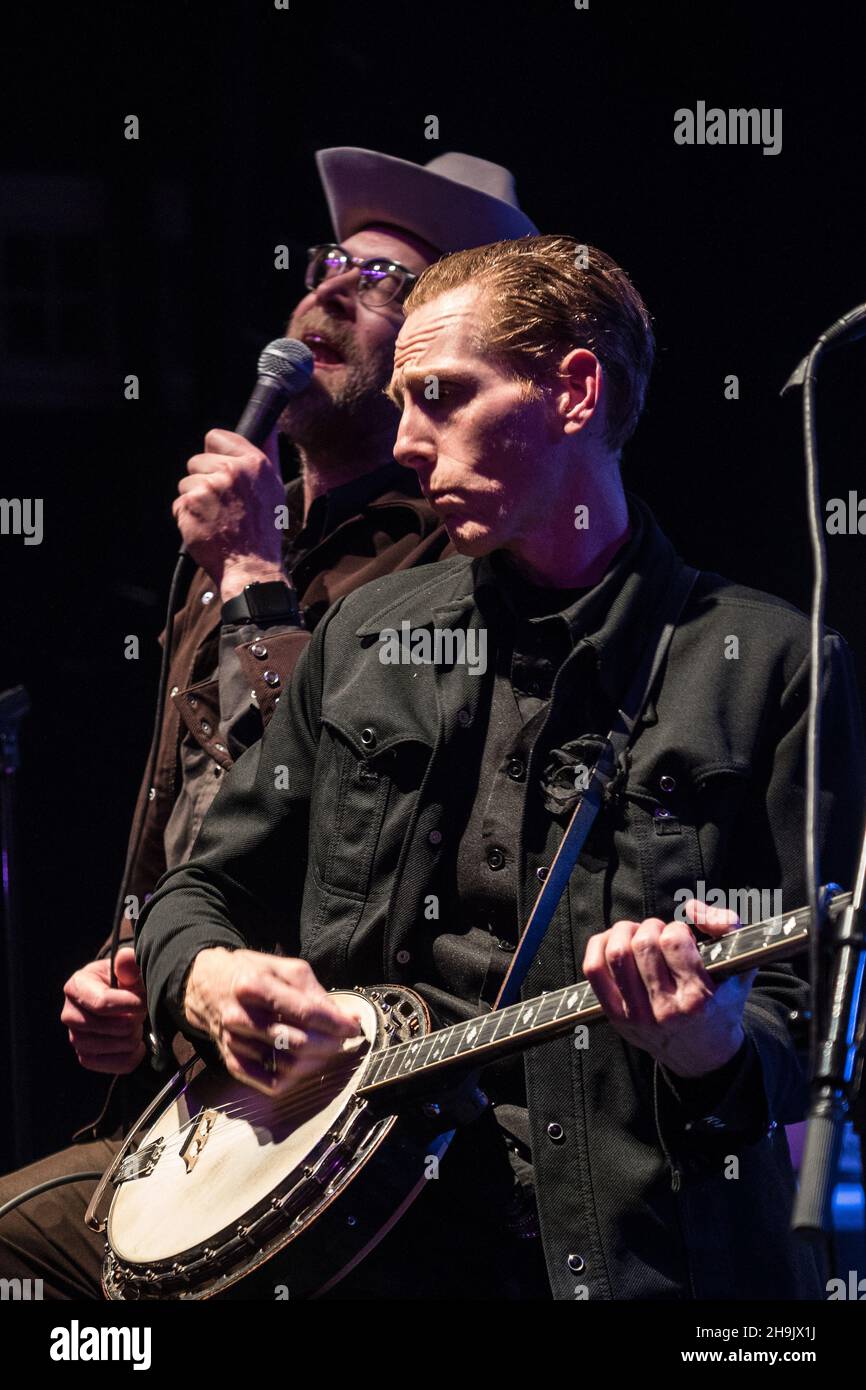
598, 782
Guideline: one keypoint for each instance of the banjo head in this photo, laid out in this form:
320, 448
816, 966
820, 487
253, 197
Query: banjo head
222, 1150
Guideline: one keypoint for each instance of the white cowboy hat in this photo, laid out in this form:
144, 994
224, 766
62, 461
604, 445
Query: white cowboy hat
454, 202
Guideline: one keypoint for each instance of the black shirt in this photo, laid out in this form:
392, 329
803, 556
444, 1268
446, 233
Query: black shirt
531, 631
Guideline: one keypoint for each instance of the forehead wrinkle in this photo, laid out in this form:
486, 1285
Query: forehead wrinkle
415, 337
417, 340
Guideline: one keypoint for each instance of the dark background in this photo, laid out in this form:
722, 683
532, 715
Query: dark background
156, 258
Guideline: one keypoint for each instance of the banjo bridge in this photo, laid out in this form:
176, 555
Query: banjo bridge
193, 1144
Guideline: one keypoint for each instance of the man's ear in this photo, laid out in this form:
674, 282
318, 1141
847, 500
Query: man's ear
581, 386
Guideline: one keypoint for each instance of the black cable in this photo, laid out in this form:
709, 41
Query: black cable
846, 329
834, 1000
816, 899
184, 560
45, 1187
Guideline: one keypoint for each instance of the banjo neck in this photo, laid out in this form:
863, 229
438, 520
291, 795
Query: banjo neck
478, 1041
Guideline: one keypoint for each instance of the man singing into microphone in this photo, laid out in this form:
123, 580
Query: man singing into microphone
261, 587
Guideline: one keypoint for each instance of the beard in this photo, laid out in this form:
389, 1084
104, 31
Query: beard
341, 417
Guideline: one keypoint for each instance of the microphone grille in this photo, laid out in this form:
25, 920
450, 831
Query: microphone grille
290, 361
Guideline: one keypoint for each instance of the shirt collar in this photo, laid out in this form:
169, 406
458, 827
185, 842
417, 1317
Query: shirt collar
330, 509
522, 602
613, 615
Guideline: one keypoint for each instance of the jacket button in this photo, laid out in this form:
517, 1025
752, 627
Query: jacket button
151, 793
403, 958
271, 678
368, 737
541, 874
667, 784
555, 1132
174, 690
207, 596
206, 728
259, 649
516, 769
193, 701
435, 837
464, 717
576, 1264
495, 857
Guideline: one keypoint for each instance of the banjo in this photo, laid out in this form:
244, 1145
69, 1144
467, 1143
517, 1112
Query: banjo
215, 1178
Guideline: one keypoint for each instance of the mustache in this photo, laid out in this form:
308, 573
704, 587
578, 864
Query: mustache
338, 335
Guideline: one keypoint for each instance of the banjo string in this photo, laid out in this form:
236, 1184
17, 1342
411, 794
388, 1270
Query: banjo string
286, 1108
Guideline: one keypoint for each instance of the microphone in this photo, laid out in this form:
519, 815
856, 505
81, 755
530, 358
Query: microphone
285, 370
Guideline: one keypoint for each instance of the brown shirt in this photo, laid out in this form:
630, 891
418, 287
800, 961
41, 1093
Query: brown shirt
375, 525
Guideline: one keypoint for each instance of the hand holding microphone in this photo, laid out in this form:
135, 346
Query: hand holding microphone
226, 505
225, 511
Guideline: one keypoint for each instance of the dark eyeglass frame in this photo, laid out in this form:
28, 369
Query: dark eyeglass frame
365, 264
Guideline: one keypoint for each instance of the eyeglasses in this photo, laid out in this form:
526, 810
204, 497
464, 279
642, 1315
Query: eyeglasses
381, 280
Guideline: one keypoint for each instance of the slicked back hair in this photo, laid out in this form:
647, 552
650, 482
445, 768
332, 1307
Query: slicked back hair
544, 296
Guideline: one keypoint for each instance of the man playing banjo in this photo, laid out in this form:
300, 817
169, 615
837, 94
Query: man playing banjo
397, 819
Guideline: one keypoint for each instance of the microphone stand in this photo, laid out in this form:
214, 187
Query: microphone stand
837, 1019
837, 1072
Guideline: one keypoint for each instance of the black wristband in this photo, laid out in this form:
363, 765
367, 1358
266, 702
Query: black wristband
273, 601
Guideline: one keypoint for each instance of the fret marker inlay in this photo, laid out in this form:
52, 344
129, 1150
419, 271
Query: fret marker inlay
555, 1011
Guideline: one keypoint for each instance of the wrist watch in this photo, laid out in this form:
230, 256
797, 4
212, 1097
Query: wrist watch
272, 602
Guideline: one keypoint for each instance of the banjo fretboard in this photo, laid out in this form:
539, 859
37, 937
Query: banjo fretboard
479, 1040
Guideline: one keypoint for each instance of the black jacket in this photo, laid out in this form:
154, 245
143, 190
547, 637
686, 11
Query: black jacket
640, 1195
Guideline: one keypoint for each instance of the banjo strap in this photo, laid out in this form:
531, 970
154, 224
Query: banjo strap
599, 780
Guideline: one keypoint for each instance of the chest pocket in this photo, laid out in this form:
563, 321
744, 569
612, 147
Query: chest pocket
362, 800
674, 835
